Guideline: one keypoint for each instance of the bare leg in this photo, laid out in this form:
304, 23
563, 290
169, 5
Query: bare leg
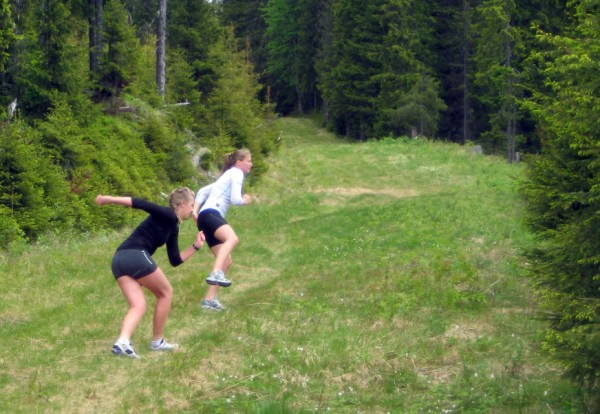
213, 289
137, 305
158, 284
223, 251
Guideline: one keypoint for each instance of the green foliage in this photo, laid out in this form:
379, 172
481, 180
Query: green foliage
61, 148
235, 117
371, 277
122, 58
292, 33
376, 80
7, 33
143, 84
349, 86
498, 46
416, 112
32, 190
169, 147
562, 193
408, 101
193, 31
9, 228
64, 138
48, 59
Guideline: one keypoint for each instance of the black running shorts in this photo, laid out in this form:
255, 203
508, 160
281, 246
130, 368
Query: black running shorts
133, 263
209, 221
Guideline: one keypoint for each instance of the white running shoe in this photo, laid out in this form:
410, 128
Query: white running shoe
124, 350
213, 304
218, 278
163, 346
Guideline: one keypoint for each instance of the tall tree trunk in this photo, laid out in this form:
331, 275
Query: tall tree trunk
325, 36
96, 37
465, 86
510, 110
299, 104
161, 60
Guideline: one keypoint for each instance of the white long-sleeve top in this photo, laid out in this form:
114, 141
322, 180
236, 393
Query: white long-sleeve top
224, 192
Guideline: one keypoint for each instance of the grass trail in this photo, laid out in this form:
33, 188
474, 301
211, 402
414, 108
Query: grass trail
377, 277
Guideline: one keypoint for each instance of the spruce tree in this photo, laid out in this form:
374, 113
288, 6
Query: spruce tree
291, 33
7, 41
120, 62
497, 73
563, 194
408, 102
349, 86
7, 33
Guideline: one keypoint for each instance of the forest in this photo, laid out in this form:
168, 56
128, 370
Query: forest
117, 96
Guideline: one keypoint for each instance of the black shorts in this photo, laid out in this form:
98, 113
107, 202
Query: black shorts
133, 263
209, 221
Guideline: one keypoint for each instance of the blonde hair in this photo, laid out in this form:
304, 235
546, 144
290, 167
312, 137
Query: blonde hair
179, 196
231, 158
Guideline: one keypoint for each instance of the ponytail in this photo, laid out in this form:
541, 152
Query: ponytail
179, 196
230, 159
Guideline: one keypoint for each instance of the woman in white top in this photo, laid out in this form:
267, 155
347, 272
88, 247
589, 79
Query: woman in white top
214, 200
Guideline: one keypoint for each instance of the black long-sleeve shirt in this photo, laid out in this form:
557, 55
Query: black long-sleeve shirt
160, 227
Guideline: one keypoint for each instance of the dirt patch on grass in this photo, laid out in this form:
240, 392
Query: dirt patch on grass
357, 191
464, 332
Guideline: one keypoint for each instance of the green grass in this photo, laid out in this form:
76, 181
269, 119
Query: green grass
377, 277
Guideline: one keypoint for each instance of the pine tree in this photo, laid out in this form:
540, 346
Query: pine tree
120, 62
453, 49
96, 35
497, 73
192, 32
408, 102
349, 86
235, 114
49, 59
563, 194
7, 42
7, 33
247, 19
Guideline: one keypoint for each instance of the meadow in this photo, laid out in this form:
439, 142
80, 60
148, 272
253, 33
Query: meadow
375, 277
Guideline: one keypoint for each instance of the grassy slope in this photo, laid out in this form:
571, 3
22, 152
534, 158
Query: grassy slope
373, 277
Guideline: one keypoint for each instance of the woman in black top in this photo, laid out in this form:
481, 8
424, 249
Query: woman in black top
134, 267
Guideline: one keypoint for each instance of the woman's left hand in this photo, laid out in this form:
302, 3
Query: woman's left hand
200, 239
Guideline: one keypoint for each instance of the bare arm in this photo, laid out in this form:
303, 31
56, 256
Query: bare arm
103, 200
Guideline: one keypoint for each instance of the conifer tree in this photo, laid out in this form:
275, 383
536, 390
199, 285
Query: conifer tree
7, 33
7, 41
349, 86
49, 58
453, 66
408, 102
120, 62
96, 35
497, 73
193, 30
236, 115
291, 33
247, 19
563, 194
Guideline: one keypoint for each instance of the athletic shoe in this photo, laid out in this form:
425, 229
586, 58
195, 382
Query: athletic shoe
163, 346
213, 305
218, 278
124, 350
